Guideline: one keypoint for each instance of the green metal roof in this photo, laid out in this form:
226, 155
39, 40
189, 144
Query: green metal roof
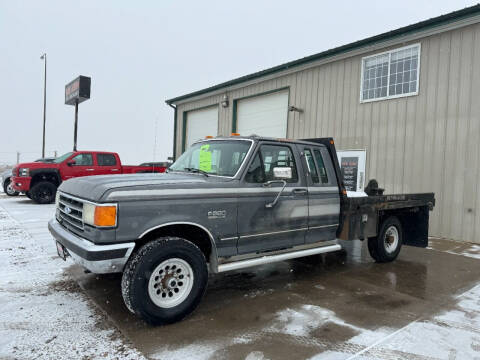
406, 30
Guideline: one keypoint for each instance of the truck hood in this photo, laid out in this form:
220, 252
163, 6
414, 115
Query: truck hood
95, 187
37, 165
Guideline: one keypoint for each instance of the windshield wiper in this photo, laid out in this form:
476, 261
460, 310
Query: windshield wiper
194, 170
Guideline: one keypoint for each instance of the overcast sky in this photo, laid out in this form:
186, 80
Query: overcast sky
140, 53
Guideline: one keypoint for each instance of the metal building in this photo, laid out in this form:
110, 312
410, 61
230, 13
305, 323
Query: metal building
409, 97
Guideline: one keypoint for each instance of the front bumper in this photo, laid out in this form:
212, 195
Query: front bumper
21, 183
99, 259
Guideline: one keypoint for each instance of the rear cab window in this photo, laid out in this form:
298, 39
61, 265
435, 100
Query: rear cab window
312, 169
106, 160
319, 166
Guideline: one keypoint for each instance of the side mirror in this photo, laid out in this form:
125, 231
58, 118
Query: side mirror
71, 163
282, 173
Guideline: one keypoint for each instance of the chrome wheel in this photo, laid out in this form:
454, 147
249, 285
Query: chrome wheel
170, 283
391, 239
10, 189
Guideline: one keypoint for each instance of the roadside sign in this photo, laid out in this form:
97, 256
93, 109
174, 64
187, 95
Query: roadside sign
78, 90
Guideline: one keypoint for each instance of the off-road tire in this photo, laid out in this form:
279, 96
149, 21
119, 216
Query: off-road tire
377, 245
43, 192
28, 195
139, 270
7, 190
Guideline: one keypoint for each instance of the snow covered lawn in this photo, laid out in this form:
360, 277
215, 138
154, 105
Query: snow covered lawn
44, 314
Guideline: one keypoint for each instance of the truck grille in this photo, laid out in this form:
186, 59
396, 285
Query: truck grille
70, 212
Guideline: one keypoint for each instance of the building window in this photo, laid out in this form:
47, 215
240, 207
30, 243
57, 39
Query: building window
391, 74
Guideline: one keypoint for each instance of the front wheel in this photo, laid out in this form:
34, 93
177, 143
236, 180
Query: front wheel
43, 192
386, 246
165, 280
8, 189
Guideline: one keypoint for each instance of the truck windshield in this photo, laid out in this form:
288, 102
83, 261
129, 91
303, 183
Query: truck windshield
215, 157
60, 159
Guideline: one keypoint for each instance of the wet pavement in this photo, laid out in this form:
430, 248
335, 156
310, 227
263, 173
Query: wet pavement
334, 306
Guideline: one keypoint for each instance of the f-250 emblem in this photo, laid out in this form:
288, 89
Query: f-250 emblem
217, 214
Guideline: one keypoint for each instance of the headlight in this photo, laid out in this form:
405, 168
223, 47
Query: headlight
23, 172
100, 215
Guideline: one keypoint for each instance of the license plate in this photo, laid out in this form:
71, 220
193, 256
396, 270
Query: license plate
61, 251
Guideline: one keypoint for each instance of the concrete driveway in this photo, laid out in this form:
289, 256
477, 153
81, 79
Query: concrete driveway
335, 306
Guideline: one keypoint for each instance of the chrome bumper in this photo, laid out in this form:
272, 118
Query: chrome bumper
99, 259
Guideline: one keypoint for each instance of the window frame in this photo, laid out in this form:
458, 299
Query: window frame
108, 154
389, 52
82, 154
327, 173
311, 175
257, 152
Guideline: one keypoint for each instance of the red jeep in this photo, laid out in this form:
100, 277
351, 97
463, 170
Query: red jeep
39, 181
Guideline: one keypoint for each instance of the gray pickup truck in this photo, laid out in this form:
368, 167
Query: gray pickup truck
227, 203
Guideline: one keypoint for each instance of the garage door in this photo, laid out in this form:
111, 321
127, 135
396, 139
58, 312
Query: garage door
201, 123
264, 115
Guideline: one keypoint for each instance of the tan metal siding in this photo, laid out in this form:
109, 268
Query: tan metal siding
427, 142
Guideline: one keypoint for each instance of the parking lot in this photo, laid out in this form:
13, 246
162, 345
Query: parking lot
425, 305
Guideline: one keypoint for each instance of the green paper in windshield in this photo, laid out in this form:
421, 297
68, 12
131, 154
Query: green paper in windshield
205, 158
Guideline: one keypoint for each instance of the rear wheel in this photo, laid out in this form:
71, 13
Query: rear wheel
165, 280
8, 189
43, 192
386, 246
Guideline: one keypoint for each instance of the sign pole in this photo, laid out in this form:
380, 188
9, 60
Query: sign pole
76, 126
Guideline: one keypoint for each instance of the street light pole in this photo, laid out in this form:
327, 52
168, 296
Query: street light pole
44, 57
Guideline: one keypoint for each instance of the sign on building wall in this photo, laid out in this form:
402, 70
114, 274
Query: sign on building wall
352, 164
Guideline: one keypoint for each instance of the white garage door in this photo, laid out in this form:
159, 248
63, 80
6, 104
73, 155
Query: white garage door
264, 115
201, 123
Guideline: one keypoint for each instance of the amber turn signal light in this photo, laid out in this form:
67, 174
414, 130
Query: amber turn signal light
235, 134
105, 216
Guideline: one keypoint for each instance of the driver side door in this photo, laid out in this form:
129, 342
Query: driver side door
262, 227
83, 166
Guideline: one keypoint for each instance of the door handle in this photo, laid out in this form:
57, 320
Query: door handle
299, 191
89, 169
114, 169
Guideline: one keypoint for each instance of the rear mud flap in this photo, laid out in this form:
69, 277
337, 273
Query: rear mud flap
415, 227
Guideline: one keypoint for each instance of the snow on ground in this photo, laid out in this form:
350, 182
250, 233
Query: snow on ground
453, 334
473, 251
44, 314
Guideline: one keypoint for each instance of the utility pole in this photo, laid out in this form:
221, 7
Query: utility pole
18, 157
44, 58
